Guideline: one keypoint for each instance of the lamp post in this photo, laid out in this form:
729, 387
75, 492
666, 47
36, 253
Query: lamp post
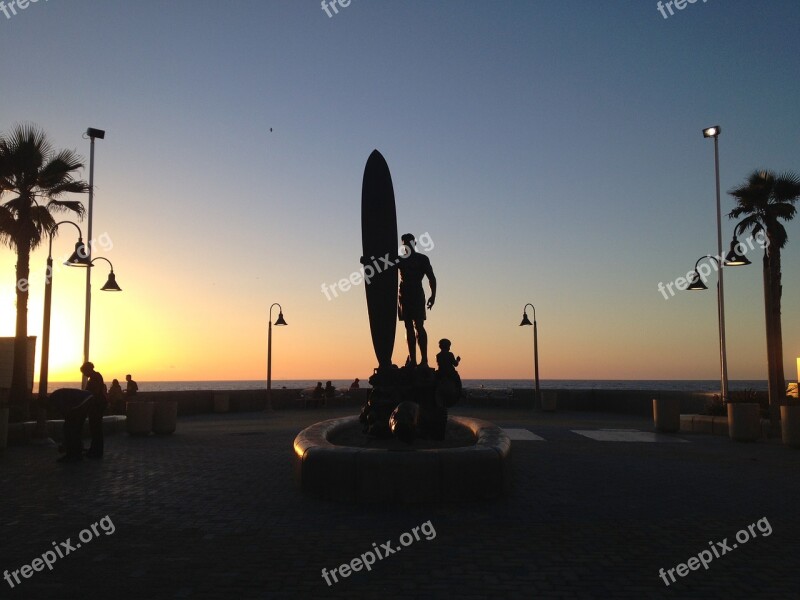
526, 321
79, 258
733, 259
279, 321
93, 134
713, 132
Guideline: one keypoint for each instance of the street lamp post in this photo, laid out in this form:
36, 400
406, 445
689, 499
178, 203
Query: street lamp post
93, 134
79, 258
713, 132
526, 321
279, 321
733, 259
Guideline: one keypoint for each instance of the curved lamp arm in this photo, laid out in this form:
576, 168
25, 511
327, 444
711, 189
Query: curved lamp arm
53, 234
110, 285
525, 320
280, 320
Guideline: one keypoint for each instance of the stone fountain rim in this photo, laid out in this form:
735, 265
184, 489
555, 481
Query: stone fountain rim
368, 475
487, 436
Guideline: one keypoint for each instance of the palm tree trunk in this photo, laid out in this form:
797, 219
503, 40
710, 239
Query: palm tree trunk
19, 396
776, 292
768, 323
772, 310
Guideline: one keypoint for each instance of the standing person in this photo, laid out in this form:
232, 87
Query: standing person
115, 397
354, 385
411, 306
132, 386
96, 405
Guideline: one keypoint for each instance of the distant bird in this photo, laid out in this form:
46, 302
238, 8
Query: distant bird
270, 129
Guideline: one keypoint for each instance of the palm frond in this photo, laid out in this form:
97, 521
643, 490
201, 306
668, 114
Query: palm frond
7, 226
68, 187
66, 205
750, 223
26, 150
787, 187
783, 210
42, 223
58, 170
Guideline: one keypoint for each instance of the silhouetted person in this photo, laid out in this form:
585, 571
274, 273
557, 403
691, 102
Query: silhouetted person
132, 386
445, 360
448, 389
411, 308
354, 385
318, 391
74, 405
116, 397
330, 391
96, 405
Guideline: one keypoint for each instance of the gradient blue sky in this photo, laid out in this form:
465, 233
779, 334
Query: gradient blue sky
552, 150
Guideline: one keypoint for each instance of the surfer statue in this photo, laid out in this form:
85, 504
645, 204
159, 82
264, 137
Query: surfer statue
410, 401
413, 266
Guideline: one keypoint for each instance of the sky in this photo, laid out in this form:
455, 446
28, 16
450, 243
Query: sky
551, 150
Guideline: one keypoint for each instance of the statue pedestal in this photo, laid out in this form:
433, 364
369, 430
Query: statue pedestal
389, 408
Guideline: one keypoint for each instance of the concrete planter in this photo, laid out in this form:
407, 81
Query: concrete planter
790, 425
139, 419
222, 403
744, 421
165, 417
3, 428
667, 414
549, 400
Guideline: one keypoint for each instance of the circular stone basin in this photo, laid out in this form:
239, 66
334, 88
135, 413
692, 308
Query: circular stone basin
352, 435
334, 460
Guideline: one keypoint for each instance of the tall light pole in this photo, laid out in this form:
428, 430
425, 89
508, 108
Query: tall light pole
79, 258
93, 134
279, 321
526, 321
713, 132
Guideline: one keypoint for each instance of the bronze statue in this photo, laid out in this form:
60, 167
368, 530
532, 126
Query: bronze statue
410, 401
413, 267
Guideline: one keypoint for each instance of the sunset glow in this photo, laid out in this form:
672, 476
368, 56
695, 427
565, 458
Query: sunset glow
230, 178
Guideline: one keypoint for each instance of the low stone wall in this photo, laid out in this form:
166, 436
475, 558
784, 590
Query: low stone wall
634, 402
203, 401
631, 402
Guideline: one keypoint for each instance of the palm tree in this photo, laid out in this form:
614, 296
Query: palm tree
765, 199
31, 171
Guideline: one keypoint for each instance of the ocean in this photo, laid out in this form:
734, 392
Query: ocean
688, 385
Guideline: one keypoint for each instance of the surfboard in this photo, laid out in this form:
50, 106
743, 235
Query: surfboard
379, 238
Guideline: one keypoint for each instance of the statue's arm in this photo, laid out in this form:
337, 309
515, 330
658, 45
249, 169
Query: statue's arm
432, 283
